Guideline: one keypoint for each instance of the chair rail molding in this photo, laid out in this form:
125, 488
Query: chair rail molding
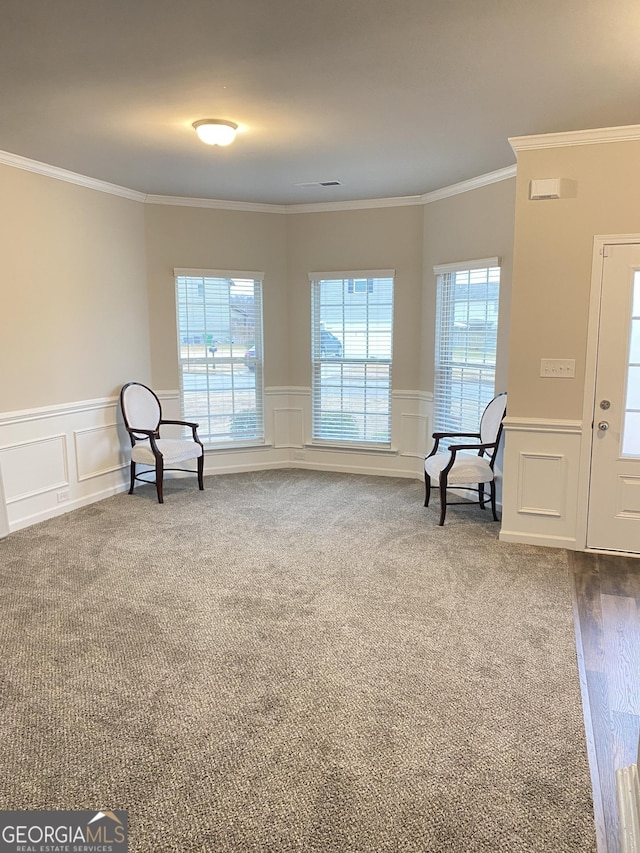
514, 424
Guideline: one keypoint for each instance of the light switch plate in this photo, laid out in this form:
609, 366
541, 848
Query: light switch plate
558, 368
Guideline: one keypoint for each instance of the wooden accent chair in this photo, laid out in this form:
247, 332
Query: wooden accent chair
142, 415
451, 469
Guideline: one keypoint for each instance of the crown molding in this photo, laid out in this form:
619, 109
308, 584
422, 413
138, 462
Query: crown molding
356, 204
597, 136
215, 204
257, 207
470, 184
18, 162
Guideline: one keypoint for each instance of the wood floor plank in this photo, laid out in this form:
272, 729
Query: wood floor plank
625, 730
585, 589
621, 642
620, 575
607, 614
586, 575
597, 696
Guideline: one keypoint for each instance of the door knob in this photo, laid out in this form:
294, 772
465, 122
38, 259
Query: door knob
603, 425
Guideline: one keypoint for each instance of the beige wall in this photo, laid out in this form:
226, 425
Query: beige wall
552, 267
464, 227
381, 238
202, 238
78, 262
74, 321
88, 304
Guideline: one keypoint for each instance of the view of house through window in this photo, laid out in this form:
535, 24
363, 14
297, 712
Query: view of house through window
352, 324
219, 318
466, 335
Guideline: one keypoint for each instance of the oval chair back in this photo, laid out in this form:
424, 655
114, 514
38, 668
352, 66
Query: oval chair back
142, 414
474, 466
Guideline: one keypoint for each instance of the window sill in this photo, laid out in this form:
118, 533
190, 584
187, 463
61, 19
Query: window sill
351, 448
262, 445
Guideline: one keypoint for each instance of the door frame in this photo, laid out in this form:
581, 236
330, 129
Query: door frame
584, 472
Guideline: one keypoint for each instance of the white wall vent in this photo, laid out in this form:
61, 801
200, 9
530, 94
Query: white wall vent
549, 188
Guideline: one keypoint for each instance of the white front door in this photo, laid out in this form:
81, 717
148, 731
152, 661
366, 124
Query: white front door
614, 494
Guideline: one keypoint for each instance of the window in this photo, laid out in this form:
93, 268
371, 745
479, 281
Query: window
352, 324
631, 429
219, 319
361, 285
466, 335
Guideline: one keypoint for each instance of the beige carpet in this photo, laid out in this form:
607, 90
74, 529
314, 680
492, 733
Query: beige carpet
293, 661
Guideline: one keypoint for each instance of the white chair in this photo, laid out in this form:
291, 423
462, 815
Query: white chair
451, 469
142, 415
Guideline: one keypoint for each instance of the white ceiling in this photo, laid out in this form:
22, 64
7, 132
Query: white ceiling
391, 97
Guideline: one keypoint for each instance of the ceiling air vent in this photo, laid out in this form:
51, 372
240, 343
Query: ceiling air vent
320, 184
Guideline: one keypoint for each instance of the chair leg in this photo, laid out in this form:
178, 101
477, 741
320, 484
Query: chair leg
427, 488
159, 477
201, 472
481, 495
493, 500
133, 477
443, 500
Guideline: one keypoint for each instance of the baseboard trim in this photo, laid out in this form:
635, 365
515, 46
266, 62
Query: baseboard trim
610, 553
369, 471
539, 539
246, 467
54, 511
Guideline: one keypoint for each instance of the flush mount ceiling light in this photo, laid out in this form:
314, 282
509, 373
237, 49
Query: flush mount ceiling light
215, 131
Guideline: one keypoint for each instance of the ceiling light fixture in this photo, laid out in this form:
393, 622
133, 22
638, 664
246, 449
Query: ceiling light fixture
216, 131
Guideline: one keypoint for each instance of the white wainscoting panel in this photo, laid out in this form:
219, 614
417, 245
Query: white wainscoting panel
414, 435
542, 484
98, 451
31, 468
288, 427
58, 458
4, 518
411, 422
540, 481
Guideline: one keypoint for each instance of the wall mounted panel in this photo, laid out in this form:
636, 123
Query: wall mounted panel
541, 471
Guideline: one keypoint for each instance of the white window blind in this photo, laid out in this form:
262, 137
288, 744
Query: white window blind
352, 340
466, 335
219, 320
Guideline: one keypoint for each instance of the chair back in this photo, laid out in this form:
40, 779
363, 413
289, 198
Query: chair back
141, 408
491, 421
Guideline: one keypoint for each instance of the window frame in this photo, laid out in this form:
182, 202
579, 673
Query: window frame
368, 420
472, 405
254, 433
